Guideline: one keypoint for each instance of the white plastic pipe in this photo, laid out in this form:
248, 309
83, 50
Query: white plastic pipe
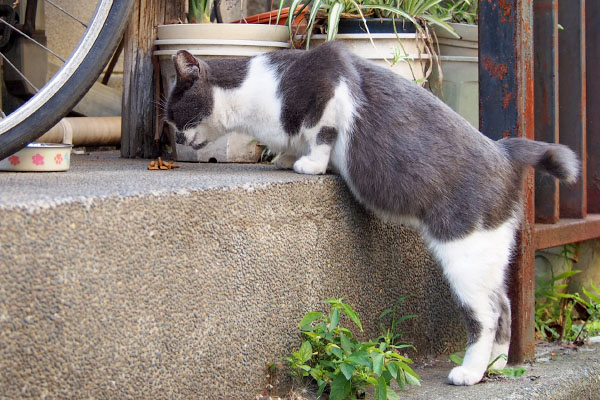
85, 131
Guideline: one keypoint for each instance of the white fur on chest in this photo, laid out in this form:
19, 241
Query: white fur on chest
255, 108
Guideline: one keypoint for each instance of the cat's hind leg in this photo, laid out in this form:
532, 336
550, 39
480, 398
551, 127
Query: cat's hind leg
475, 267
314, 162
502, 338
285, 161
317, 159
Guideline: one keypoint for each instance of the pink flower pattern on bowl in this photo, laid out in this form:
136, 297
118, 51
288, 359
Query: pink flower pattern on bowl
38, 159
14, 160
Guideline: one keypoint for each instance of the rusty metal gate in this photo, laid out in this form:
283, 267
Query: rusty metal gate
539, 80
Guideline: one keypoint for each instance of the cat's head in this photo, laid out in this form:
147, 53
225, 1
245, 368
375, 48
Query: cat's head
191, 103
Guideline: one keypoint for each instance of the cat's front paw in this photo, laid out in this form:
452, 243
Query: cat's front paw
305, 165
461, 376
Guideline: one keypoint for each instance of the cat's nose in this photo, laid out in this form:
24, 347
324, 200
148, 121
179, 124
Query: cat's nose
179, 137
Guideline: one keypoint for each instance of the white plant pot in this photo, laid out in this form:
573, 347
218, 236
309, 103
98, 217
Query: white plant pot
460, 73
217, 41
465, 46
383, 49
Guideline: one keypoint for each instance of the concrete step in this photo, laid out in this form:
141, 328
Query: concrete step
119, 282
558, 373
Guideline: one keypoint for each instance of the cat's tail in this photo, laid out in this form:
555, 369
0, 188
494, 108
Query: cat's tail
554, 159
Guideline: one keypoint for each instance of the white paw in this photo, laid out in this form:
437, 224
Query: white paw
285, 161
461, 376
305, 165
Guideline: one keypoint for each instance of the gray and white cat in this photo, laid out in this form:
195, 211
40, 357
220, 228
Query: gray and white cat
404, 154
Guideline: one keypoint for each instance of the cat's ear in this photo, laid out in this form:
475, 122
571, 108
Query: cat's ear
188, 68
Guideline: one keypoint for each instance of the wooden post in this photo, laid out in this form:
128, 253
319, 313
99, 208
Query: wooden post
137, 138
506, 98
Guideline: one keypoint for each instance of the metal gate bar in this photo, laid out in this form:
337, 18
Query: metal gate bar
572, 106
564, 90
545, 40
506, 109
592, 14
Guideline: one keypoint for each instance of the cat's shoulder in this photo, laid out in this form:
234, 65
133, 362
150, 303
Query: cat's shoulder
324, 56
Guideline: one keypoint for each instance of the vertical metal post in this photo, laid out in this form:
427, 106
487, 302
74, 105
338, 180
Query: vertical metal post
506, 109
545, 40
592, 50
572, 100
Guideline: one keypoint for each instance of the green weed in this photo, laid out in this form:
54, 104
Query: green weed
566, 317
345, 366
508, 372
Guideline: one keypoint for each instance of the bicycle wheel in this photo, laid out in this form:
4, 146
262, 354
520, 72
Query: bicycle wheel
71, 82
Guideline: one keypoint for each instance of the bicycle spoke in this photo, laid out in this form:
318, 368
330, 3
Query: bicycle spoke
66, 12
19, 72
33, 40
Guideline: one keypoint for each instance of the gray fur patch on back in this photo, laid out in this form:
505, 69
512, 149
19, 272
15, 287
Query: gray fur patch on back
327, 135
228, 73
306, 83
411, 155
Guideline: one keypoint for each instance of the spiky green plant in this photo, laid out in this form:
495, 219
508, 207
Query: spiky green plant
199, 11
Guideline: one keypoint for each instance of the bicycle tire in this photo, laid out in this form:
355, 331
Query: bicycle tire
71, 82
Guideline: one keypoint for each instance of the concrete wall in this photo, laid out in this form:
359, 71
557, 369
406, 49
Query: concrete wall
192, 294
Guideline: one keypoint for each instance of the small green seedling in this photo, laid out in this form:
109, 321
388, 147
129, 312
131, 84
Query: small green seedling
508, 372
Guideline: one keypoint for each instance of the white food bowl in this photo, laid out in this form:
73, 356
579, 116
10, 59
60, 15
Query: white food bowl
43, 157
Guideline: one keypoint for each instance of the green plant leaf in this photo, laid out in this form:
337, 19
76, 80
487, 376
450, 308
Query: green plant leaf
386, 312
360, 357
347, 370
311, 20
340, 387
349, 311
591, 295
411, 380
508, 372
334, 319
317, 374
411, 376
399, 357
393, 368
381, 389
391, 394
309, 318
456, 359
305, 352
377, 359
504, 356
345, 343
322, 386
337, 352
334, 19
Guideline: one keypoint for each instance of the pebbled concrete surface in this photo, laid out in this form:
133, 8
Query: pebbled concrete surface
556, 374
118, 282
